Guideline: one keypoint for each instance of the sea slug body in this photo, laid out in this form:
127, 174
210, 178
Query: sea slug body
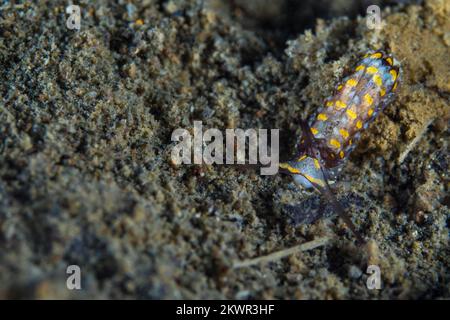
334, 131
337, 126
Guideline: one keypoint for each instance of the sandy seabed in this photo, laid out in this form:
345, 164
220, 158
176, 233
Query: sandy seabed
85, 141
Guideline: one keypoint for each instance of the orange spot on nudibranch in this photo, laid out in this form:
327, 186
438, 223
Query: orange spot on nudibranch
335, 143
393, 74
344, 133
377, 55
351, 114
316, 164
368, 99
359, 124
289, 168
372, 70
340, 104
351, 82
377, 80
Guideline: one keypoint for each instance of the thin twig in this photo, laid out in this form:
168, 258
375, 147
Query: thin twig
282, 253
414, 141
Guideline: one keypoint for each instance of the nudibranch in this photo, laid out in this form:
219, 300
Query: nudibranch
329, 138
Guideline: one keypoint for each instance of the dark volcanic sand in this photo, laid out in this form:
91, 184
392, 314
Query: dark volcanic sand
85, 174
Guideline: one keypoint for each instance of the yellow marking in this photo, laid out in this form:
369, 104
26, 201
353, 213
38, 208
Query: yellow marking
351, 114
303, 157
377, 80
382, 92
359, 124
316, 164
350, 142
340, 104
289, 168
377, 55
370, 112
393, 74
372, 70
329, 103
366, 55
389, 60
339, 87
344, 133
359, 68
341, 154
314, 131
314, 180
368, 99
335, 143
139, 22
394, 87
351, 82
322, 117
